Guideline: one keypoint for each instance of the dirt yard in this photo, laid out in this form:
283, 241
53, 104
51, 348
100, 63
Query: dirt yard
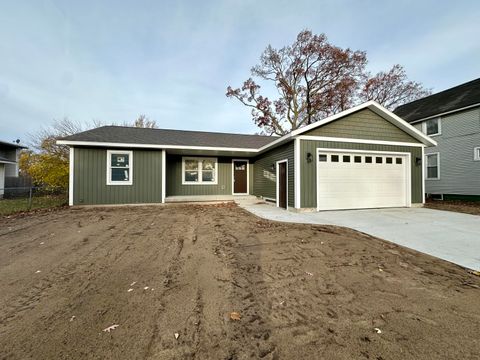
302, 292
467, 207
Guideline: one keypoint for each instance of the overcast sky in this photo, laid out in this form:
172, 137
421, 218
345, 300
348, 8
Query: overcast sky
172, 60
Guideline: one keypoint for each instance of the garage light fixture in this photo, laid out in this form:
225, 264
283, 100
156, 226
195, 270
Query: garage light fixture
309, 157
418, 161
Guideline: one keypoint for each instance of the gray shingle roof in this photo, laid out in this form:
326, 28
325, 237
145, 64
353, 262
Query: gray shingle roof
11, 145
445, 101
132, 135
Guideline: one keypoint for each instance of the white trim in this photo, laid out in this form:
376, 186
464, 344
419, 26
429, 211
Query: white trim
277, 183
164, 174
130, 167
359, 141
152, 146
8, 162
438, 165
70, 175
297, 175
476, 153
424, 126
199, 160
423, 175
445, 113
408, 167
248, 177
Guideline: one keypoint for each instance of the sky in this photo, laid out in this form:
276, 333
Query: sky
111, 61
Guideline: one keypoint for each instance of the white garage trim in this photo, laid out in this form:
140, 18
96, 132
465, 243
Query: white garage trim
277, 182
70, 175
408, 164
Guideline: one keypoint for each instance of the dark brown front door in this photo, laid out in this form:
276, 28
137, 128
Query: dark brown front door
240, 176
282, 185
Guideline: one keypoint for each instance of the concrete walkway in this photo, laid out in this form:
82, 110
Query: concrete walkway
451, 236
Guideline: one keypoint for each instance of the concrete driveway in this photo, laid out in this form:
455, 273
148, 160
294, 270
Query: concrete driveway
451, 236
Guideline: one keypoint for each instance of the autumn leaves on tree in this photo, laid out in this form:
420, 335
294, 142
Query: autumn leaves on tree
315, 79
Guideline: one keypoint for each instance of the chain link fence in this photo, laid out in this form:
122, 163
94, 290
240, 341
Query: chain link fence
21, 199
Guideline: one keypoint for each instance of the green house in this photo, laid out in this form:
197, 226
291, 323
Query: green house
364, 157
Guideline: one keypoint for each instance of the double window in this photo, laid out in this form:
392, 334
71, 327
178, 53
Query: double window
433, 166
197, 170
432, 127
119, 167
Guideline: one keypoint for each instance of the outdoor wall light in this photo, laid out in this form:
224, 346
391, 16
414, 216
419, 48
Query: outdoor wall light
418, 161
272, 167
309, 157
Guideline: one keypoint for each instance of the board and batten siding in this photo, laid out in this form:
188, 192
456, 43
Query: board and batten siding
308, 171
459, 172
265, 177
363, 124
90, 178
174, 186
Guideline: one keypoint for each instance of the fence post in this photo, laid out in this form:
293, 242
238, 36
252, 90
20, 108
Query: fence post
30, 199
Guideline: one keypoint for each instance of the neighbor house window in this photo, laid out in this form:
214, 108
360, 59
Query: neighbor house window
432, 127
119, 167
433, 166
199, 170
476, 154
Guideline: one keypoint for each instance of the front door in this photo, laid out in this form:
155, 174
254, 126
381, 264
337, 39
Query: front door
282, 185
240, 177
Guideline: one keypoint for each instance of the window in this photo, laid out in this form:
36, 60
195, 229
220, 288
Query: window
368, 159
357, 159
378, 160
334, 158
119, 167
322, 157
398, 161
433, 168
432, 127
199, 171
476, 154
389, 160
346, 158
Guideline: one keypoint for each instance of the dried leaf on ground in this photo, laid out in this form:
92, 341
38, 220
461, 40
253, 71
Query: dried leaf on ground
110, 328
235, 316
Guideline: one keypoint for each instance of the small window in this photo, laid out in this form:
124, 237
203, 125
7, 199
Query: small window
322, 157
334, 158
432, 164
346, 158
199, 171
379, 160
398, 161
119, 167
389, 160
357, 159
476, 154
368, 159
432, 127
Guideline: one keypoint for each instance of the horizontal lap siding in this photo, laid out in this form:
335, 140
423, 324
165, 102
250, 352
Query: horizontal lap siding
364, 124
90, 177
176, 188
308, 175
265, 178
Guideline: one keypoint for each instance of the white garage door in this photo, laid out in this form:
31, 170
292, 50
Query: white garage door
359, 180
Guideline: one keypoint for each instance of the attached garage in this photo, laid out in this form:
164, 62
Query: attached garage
348, 179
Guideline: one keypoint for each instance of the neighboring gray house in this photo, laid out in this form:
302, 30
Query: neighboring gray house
9, 154
452, 118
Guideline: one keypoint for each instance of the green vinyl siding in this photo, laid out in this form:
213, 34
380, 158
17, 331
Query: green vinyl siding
174, 178
363, 124
265, 177
308, 171
90, 178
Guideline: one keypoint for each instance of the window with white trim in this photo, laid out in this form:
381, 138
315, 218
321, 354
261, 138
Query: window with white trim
432, 127
119, 167
197, 170
476, 153
433, 166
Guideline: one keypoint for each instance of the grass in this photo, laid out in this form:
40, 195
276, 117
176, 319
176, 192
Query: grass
12, 206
